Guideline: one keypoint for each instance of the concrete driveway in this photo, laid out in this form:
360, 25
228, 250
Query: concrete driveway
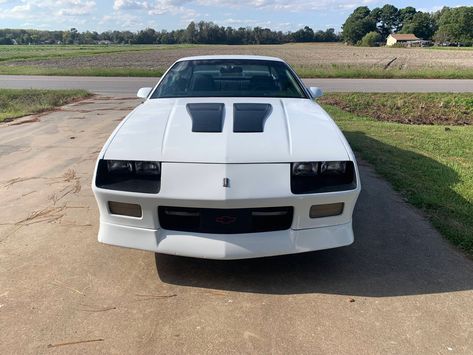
399, 289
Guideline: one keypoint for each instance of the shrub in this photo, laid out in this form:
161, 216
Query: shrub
371, 39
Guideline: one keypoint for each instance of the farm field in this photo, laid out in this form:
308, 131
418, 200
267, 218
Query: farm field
309, 59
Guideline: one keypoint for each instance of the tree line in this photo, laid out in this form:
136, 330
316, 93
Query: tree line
448, 25
195, 33
362, 27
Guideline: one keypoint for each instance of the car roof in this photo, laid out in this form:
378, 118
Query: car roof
250, 57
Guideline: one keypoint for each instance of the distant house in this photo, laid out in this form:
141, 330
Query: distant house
401, 38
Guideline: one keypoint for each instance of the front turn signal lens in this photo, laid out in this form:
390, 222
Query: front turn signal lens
327, 210
124, 209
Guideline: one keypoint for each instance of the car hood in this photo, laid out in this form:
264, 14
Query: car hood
162, 130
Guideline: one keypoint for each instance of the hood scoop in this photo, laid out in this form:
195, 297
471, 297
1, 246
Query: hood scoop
249, 118
206, 117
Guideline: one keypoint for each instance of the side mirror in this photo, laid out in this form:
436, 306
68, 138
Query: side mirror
143, 93
315, 92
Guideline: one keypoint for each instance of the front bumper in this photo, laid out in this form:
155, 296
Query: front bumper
252, 186
227, 246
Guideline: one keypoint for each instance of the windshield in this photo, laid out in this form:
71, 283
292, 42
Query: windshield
229, 77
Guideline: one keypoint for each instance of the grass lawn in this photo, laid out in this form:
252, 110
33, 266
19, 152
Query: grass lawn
334, 71
364, 72
105, 72
42, 52
428, 108
16, 103
431, 165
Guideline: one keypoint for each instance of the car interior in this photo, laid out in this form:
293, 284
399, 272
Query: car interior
223, 78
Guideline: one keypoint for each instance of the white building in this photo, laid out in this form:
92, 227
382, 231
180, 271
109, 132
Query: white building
401, 38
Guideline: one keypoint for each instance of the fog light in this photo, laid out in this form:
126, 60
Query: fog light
124, 209
328, 210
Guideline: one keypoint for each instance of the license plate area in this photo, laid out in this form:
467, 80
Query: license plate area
225, 221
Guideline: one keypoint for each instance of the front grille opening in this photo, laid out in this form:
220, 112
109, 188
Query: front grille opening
225, 221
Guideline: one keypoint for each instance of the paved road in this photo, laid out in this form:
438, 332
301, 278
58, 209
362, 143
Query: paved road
399, 289
129, 86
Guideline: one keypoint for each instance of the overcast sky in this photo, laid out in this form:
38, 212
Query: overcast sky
101, 15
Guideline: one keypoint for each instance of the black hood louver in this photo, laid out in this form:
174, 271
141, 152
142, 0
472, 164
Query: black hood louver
249, 118
206, 117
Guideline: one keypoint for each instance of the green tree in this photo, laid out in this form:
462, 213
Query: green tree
328, 35
66, 37
305, 34
74, 35
357, 25
387, 18
456, 25
191, 33
147, 36
4, 40
421, 24
406, 14
371, 39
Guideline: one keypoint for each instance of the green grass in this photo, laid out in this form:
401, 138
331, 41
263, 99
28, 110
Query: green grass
419, 108
304, 72
450, 48
110, 72
361, 72
16, 103
430, 165
44, 52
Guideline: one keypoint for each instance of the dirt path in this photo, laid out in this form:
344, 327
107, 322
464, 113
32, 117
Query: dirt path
399, 289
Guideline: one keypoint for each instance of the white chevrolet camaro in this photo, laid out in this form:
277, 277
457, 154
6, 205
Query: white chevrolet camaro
228, 157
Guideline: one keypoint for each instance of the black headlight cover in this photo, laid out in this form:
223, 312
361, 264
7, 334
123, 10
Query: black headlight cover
132, 176
325, 180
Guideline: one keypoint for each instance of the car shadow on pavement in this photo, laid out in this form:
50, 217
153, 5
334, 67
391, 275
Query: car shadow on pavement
396, 252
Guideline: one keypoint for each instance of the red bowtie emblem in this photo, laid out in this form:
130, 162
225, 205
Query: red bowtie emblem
225, 219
